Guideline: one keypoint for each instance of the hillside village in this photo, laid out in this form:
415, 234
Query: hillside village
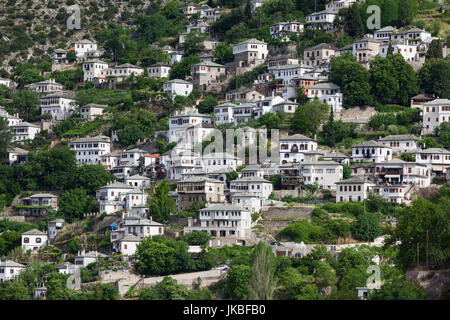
185, 139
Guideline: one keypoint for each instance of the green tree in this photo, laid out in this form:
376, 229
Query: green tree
444, 134
353, 24
182, 69
196, 238
347, 171
27, 102
308, 117
167, 289
399, 289
130, 135
353, 79
223, 53
207, 105
435, 50
5, 137
71, 56
91, 177
406, 12
382, 80
161, 204
366, 227
237, 283
434, 77
406, 79
262, 278
73, 204
13, 290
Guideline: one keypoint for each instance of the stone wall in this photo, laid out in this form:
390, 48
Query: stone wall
287, 212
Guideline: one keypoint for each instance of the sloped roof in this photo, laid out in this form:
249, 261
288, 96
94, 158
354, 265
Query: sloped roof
11, 264
34, 232
130, 238
399, 137
354, 179
295, 137
370, 143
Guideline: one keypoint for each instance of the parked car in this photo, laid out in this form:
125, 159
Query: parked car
222, 268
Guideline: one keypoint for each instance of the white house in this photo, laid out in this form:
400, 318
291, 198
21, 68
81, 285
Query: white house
93, 69
17, 156
219, 161
356, 188
408, 51
89, 150
178, 87
38, 204
85, 48
371, 151
434, 113
110, 160
46, 86
400, 142
335, 6
412, 35
123, 71
10, 270
322, 20
207, 75
128, 245
184, 119
222, 220
66, 268
286, 106
256, 186
85, 259
438, 158
34, 239
325, 173
158, 70
328, 93
91, 111
243, 113
384, 33
131, 157
53, 227
24, 130
397, 171
59, 104
266, 105
285, 73
292, 148
175, 57
119, 196
11, 119
138, 181
250, 52
283, 30
223, 113
247, 201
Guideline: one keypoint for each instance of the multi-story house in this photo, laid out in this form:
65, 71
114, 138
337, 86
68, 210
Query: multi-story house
223, 113
328, 93
397, 171
371, 151
45, 87
59, 105
266, 105
178, 164
91, 111
256, 186
131, 157
243, 94
325, 173
365, 50
438, 158
85, 48
11, 119
84, 259
293, 148
412, 35
10, 270
34, 240
395, 193
291, 176
122, 71
247, 201
251, 52
219, 161
223, 220
318, 55
59, 56
194, 190
243, 113
93, 69
283, 30
110, 160
117, 196
37, 204
419, 100
88, 150
286, 106
178, 87
24, 131
356, 188
400, 142
384, 33
159, 70
335, 6
138, 181
182, 120
283, 74
281, 60
207, 75
434, 113
408, 51
322, 20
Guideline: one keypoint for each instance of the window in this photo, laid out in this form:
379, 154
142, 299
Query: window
38, 240
26, 240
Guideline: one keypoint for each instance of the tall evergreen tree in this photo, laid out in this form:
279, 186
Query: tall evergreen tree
262, 279
5, 137
435, 50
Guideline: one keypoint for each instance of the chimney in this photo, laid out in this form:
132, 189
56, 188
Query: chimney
151, 219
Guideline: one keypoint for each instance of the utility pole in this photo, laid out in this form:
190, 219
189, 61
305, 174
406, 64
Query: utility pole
426, 256
417, 257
